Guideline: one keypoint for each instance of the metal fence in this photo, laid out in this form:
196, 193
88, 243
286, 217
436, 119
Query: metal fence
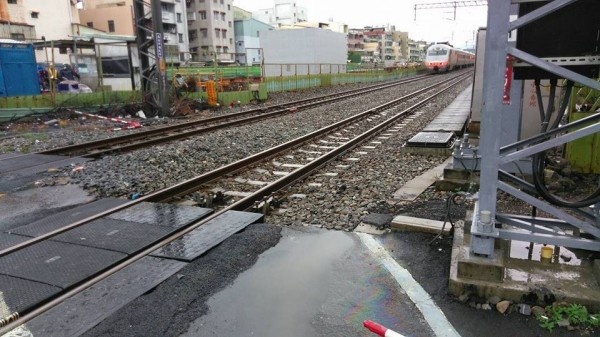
328, 75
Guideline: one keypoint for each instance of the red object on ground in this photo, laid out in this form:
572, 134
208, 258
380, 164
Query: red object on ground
380, 329
128, 124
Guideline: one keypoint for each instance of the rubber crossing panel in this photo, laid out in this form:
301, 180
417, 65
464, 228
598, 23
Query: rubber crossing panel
21, 162
9, 240
17, 295
162, 214
10, 155
56, 263
207, 236
78, 314
62, 219
118, 235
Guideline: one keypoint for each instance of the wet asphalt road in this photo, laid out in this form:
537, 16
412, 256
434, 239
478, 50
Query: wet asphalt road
266, 281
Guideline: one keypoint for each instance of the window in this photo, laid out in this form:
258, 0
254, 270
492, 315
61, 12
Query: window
35, 15
17, 36
218, 49
62, 50
215, 1
90, 24
224, 33
217, 33
229, 24
221, 2
228, 7
111, 26
216, 15
115, 66
202, 15
226, 50
222, 16
180, 38
257, 33
178, 17
12, 2
204, 32
230, 41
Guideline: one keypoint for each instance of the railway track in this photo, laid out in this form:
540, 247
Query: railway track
336, 139
147, 138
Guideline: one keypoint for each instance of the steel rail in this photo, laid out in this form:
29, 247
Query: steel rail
242, 204
264, 112
190, 185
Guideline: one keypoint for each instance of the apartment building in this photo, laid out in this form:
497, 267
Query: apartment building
12, 22
111, 16
117, 17
416, 50
401, 45
211, 31
381, 39
39, 19
283, 12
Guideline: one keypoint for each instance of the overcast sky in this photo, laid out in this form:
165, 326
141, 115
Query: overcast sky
431, 24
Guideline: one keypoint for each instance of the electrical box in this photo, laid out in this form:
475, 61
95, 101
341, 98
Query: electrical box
569, 37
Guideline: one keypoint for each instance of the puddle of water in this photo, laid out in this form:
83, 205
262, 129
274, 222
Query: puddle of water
280, 295
526, 251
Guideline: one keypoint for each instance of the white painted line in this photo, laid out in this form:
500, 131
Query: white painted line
431, 312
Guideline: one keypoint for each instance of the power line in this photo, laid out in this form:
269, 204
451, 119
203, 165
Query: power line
450, 4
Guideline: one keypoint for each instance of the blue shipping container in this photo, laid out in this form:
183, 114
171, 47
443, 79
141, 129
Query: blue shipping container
18, 73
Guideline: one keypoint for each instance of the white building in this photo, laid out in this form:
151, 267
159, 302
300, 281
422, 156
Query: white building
53, 20
314, 51
283, 12
337, 27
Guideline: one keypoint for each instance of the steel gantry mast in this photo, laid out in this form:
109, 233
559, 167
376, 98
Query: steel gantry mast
150, 42
584, 216
450, 4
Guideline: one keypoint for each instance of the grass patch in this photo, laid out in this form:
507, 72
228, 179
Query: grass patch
34, 136
565, 315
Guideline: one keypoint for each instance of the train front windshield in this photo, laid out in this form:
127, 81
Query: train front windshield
437, 54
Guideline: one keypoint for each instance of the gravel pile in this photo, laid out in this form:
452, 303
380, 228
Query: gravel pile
146, 170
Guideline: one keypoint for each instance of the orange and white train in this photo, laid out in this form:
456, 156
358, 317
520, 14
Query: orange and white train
443, 57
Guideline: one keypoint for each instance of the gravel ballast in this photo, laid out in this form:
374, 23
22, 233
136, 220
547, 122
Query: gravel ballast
146, 170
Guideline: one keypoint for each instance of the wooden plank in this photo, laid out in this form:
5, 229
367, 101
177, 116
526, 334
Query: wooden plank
408, 223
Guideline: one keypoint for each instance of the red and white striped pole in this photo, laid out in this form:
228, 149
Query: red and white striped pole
380, 329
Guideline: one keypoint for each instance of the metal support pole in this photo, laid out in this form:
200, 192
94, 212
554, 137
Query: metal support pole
160, 57
154, 81
493, 83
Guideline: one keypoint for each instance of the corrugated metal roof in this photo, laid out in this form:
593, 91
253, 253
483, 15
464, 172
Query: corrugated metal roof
14, 41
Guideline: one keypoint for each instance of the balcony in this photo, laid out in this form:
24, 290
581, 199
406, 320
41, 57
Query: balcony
191, 16
168, 17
